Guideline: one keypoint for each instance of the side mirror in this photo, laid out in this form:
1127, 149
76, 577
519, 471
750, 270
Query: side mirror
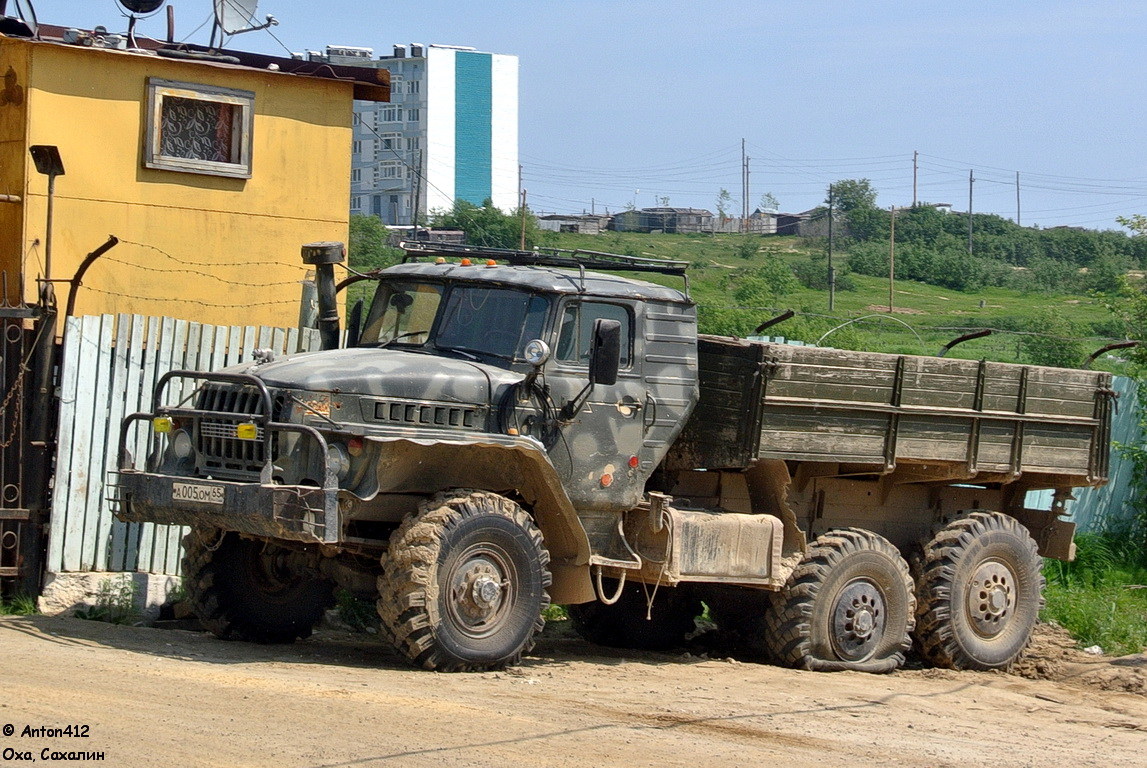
605, 355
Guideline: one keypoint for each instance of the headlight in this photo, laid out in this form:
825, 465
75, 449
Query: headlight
338, 460
181, 446
537, 352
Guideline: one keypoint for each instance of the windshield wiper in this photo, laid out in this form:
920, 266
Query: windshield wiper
387, 343
460, 351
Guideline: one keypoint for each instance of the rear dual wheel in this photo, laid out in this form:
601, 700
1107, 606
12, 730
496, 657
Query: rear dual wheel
980, 593
849, 604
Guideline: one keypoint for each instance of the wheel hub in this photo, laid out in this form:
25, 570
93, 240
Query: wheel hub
479, 593
990, 600
858, 620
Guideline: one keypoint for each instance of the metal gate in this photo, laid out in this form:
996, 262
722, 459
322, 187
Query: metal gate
27, 416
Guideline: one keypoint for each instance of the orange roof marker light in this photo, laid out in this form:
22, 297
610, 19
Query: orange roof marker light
464, 262
491, 263
440, 260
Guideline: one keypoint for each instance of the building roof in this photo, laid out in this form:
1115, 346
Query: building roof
370, 84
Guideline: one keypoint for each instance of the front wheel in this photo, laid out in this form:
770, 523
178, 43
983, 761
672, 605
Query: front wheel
849, 604
980, 593
252, 589
464, 583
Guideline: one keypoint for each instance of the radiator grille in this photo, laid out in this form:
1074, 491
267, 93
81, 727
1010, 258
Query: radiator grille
220, 451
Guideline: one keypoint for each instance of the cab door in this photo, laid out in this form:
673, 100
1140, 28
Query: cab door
599, 447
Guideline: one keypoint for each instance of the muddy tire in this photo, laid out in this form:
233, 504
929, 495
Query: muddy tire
464, 583
252, 590
980, 593
849, 604
625, 624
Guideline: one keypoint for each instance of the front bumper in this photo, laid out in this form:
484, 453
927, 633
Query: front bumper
295, 512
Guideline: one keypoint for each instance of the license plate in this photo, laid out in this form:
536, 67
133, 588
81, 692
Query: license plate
204, 494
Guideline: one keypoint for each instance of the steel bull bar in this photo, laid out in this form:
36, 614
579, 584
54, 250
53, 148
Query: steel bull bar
297, 512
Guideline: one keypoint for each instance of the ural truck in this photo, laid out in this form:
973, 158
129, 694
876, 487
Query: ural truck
504, 429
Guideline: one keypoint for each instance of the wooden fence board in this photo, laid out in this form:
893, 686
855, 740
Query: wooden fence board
111, 365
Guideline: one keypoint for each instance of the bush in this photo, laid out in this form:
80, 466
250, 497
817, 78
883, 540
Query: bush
1048, 340
813, 274
759, 286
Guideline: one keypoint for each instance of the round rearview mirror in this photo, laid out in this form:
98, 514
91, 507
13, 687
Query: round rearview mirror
537, 352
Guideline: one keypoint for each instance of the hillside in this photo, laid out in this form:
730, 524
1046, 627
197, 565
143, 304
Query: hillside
737, 285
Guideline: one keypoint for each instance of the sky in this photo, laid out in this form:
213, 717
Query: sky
632, 102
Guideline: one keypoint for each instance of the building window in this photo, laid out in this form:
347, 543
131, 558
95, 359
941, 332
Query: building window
356, 175
391, 114
414, 143
356, 203
199, 128
387, 146
357, 119
414, 86
413, 115
389, 171
356, 148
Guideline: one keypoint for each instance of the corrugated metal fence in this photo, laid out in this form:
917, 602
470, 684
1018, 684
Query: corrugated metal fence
110, 367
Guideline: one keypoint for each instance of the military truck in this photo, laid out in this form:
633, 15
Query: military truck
505, 429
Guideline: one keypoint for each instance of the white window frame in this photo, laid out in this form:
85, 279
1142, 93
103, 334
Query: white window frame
158, 90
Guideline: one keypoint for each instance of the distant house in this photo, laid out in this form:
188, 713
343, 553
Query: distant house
670, 220
762, 222
789, 223
584, 224
211, 168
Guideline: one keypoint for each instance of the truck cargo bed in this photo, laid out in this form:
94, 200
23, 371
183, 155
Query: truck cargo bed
976, 421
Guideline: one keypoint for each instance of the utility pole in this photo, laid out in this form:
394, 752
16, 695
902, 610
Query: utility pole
744, 188
522, 215
593, 206
892, 264
831, 271
417, 192
971, 181
915, 170
1017, 198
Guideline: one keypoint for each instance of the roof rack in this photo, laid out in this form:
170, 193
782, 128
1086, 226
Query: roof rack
548, 257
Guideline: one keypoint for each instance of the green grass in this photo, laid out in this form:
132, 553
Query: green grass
1090, 597
18, 605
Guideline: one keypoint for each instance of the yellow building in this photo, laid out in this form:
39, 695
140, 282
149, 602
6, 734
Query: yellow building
212, 174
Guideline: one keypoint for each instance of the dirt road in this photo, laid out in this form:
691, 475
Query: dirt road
172, 698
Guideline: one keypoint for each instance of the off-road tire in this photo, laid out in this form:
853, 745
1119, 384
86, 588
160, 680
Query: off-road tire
439, 598
980, 593
624, 624
251, 590
849, 604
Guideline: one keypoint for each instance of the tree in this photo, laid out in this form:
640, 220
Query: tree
769, 202
1137, 223
367, 249
849, 195
724, 199
485, 225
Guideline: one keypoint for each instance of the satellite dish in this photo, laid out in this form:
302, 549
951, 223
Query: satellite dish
141, 6
19, 20
233, 17
136, 9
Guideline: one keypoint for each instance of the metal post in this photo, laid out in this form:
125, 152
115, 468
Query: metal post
831, 271
971, 181
892, 263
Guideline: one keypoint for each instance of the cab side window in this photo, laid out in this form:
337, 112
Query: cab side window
575, 334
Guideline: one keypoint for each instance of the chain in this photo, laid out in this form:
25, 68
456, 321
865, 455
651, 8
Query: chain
17, 390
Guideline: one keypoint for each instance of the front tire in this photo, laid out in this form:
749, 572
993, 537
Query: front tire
464, 583
849, 604
252, 590
980, 593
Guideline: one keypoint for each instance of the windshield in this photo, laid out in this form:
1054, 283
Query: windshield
402, 313
475, 319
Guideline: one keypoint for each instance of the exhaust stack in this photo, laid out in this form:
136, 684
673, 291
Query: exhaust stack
324, 256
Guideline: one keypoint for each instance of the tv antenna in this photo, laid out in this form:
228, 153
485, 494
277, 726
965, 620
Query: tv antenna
234, 17
136, 10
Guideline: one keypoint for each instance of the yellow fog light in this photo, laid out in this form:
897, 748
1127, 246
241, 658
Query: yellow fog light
162, 424
247, 431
